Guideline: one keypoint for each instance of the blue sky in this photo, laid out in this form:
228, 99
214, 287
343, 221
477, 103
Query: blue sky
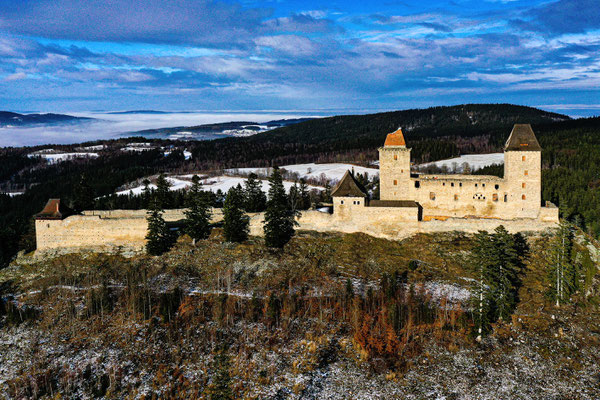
76, 55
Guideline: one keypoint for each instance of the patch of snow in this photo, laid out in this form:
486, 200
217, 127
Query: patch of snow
213, 184
475, 161
227, 182
53, 158
332, 171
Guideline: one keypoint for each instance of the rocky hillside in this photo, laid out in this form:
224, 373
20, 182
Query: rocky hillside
329, 317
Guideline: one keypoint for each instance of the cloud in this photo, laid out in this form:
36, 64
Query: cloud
562, 16
16, 76
289, 44
205, 22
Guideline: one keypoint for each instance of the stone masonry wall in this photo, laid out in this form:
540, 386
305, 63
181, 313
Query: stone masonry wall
127, 229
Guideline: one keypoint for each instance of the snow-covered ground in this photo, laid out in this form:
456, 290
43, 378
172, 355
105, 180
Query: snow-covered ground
333, 171
475, 161
213, 184
53, 158
13, 194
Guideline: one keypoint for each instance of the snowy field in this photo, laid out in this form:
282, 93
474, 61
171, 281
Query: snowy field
213, 184
53, 158
475, 161
333, 171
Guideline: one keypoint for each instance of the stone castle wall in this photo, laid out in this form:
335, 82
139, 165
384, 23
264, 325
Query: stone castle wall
517, 195
126, 229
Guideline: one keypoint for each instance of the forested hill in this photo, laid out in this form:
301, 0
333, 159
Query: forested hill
432, 133
14, 119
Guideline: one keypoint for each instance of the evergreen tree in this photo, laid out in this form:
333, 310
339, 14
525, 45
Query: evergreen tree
256, 199
293, 198
235, 221
482, 294
146, 192
84, 195
562, 273
159, 238
221, 380
304, 195
198, 213
162, 191
505, 272
497, 260
327, 193
279, 218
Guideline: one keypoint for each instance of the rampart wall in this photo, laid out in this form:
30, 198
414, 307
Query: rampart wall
110, 230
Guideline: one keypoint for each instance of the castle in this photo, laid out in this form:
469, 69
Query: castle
515, 196
409, 203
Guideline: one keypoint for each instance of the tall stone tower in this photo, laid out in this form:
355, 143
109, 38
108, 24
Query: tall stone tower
523, 172
394, 168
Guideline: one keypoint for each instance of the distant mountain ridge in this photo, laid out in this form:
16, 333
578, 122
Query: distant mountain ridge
8, 118
216, 130
433, 134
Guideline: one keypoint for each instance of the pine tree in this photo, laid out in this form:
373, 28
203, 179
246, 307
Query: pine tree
84, 195
327, 193
221, 380
304, 195
293, 198
159, 238
162, 191
497, 260
199, 212
255, 198
482, 294
506, 269
235, 221
279, 218
562, 272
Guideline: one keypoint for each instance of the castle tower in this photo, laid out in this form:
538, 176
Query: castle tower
394, 168
523, 172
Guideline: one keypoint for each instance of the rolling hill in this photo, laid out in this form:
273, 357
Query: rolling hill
8, 118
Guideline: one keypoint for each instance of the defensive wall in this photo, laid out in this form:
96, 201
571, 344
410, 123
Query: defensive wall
126, 229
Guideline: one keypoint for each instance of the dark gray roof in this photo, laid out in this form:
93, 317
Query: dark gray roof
522, 138
349, 187
393, 203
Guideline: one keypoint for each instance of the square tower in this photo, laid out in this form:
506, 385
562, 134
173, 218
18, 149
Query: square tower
523, 172
394, 168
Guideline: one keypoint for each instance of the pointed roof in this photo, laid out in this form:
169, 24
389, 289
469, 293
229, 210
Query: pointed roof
54, 209
395, 139
349, 187
522, 138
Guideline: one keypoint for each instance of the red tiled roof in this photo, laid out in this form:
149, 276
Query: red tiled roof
395, 139
54, 209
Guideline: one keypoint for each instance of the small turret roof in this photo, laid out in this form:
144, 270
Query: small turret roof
522, 138
395, 139
54, 209
348, 187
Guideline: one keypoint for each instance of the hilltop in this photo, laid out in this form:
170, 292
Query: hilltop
15, 119
331, 315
